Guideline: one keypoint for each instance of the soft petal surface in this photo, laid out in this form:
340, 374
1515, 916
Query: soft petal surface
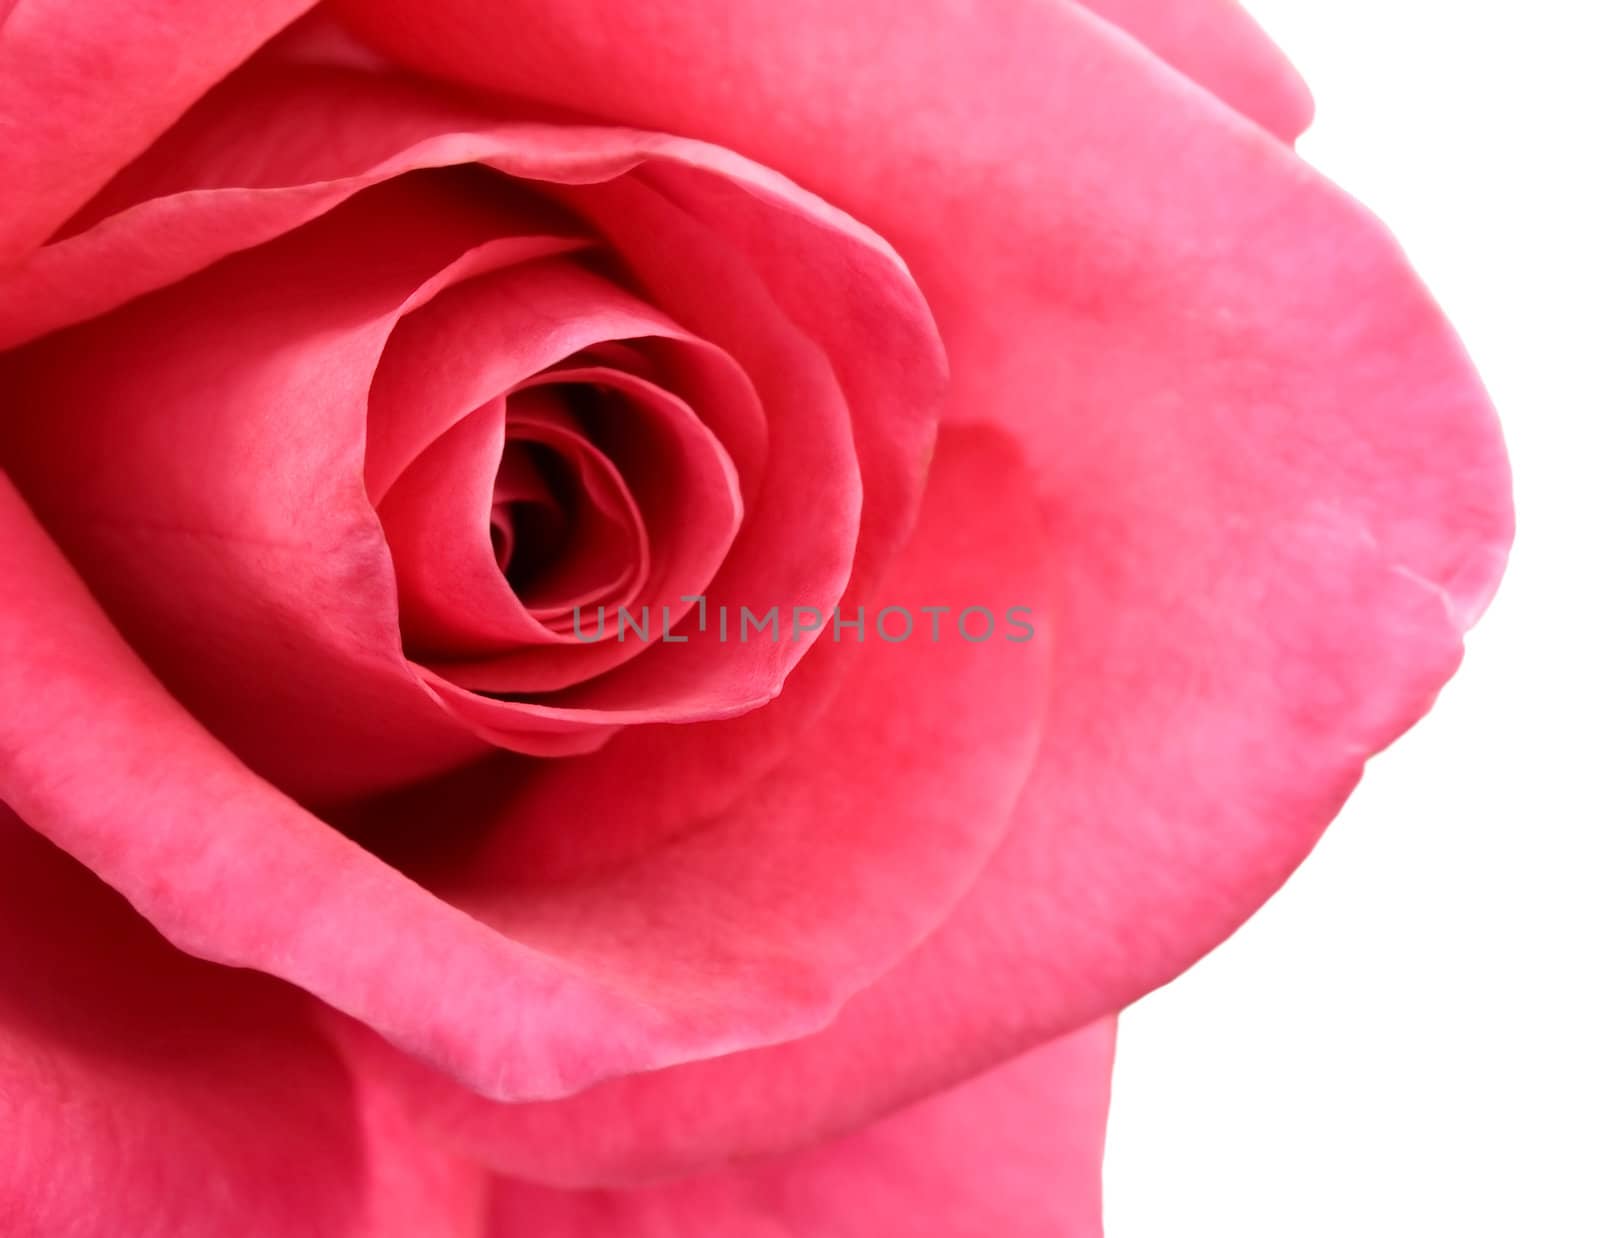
797, 546
98, 757
213, 492
555, 985
281, 365
1275, 488
1014, 1152
145, 1094
281, 144
85, 85
1219, 46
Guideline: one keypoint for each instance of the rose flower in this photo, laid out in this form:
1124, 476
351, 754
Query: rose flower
634, 618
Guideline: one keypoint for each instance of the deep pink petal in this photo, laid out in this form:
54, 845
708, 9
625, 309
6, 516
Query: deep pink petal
554, 985
593, 810
206, 473
1015, 1152
611, 557
436, 517
144, 1093
455, 598
682, 476
95, 755
825, 894
1276, 489
1219, 46
85, 85
210, 192
497, 333
688, 491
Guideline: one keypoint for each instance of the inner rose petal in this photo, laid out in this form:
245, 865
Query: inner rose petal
687, 490
452, 589
784, 284
596, 548
676, 468
637, 409
569, 529
519, 1023
521, 495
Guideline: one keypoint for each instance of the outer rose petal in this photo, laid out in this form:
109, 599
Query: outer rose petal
95, 755
262, 593
1216, 43
1015, 1152
1276, 488
234, 174
85, 85
144, 1094
632, 969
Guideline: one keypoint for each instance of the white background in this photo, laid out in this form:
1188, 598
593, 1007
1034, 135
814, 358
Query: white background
1404, 1043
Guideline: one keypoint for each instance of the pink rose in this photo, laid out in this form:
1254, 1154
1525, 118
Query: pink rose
661, 610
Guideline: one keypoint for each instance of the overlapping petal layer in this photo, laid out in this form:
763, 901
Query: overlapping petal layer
146, 1093
554, 985
1215, 43
775, 255
1014, 1152
1275, 490
1273, 497
84, 88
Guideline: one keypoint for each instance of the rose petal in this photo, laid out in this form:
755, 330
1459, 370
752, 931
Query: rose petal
454, 597
497, 332
95, 755
451, 583
686, 487
206, 470
85, 85
1276, 489
630, 970
1014, 1152
595, 812
145, 1092
351, 130
612, 557
805, 877
1219, 46
682, 476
